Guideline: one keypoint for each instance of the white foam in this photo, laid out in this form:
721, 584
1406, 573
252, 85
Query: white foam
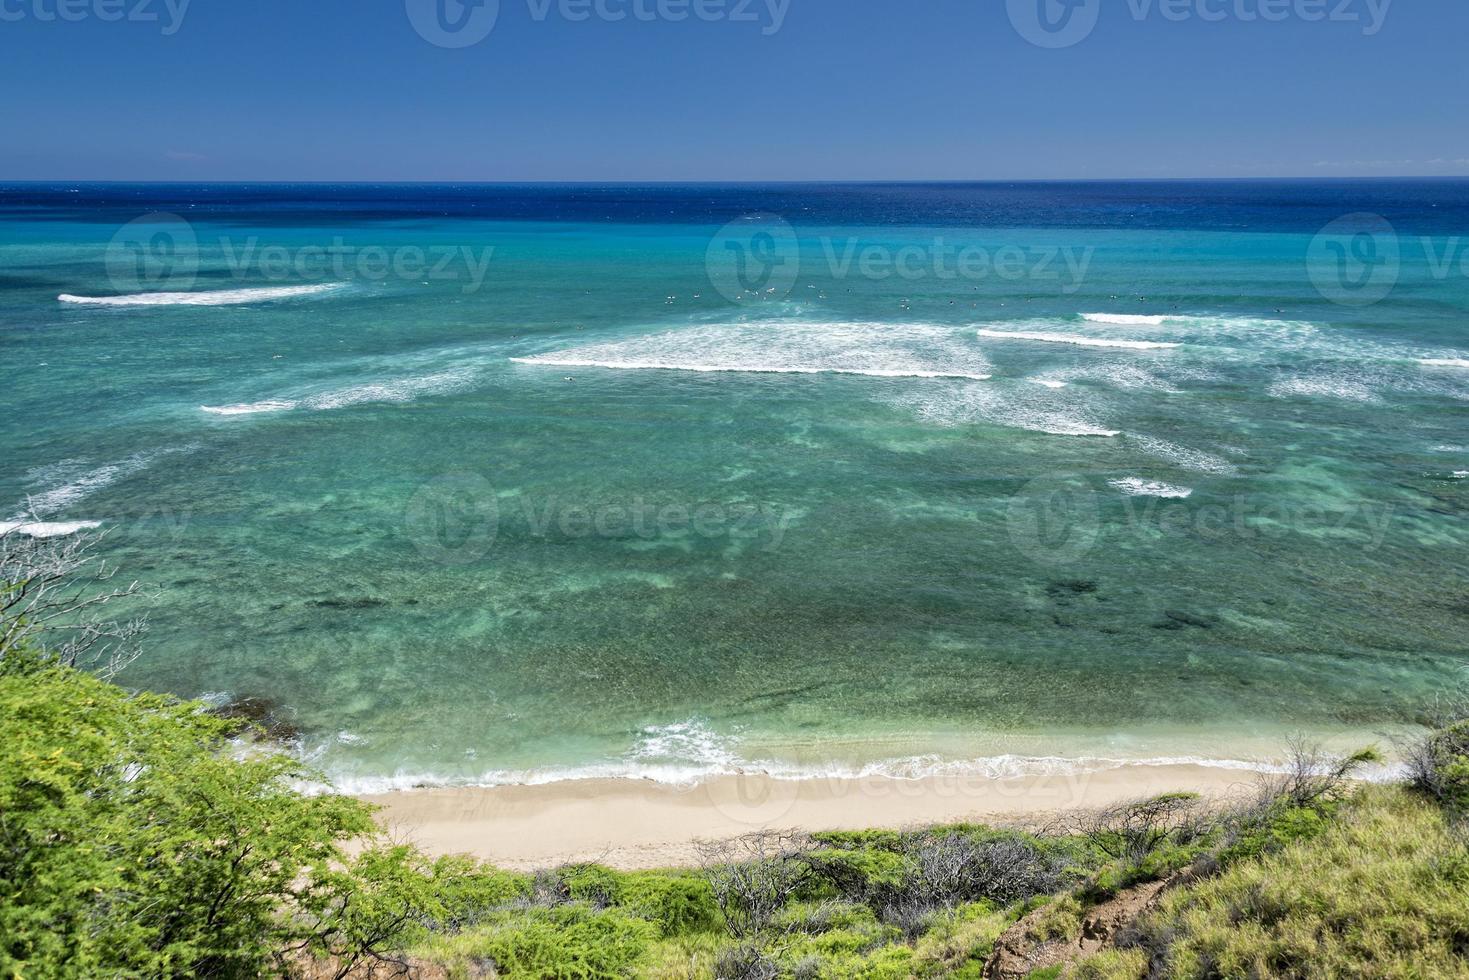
684, 743
1137, 487
1460, 474
877, 350
1047, 337
549, 361
393, 390
909, 769
49, 501
1451, 362
396, 390
1034, 408
1048, 382
1192, 459
1115, 374
46, 529
1343, 387
217, 297
252, 408
1129, 319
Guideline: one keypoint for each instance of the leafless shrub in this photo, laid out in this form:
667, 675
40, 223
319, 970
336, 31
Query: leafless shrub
1438, 765
1132, 830
754, 876
52, 590
952, 868
745, 962
809, 968
1311, 773
910, 912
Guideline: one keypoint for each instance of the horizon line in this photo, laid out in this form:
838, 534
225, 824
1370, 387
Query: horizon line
591, 181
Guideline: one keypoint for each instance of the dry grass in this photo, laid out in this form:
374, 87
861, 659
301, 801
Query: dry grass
1384, 892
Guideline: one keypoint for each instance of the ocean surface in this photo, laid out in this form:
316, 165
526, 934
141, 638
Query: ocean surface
481, 484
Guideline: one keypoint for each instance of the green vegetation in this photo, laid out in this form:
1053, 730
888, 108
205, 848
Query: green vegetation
146, 837
1382, 890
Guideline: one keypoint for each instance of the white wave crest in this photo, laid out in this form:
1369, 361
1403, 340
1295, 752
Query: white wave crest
1342, 387
1137, 487
685, 742
251, 408
1129, 319
788, 347
217, 297
392, 390
1449, 362
46, 529
909, 769
54, 499
1191, 459
1079, 340
1033, 408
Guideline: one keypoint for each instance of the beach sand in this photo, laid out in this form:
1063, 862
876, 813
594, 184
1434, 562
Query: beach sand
631, 823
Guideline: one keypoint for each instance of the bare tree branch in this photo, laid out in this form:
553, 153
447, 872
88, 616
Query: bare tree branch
50, 604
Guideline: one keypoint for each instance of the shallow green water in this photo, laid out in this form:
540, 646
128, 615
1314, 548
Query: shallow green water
450, 565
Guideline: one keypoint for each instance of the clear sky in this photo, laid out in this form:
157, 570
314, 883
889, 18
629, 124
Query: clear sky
732, 90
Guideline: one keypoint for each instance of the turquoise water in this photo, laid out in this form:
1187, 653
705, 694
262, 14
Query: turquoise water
591, 515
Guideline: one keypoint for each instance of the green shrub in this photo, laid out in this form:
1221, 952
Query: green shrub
594, 884
132, 844
574, 942
814, 918
1060, 919
855, 875
960, 939
1111, 964
675, 902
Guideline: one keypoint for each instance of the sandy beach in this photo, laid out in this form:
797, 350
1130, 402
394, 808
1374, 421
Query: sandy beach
629, 823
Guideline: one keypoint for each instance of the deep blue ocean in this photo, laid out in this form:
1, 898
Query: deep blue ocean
483, 483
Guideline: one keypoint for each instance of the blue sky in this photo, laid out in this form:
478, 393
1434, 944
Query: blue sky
736, 89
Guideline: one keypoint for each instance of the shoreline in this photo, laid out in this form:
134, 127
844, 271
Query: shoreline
633, 824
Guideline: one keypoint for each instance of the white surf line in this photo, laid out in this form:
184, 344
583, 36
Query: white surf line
1070, 338
1137, 487
744, 369
1133, 319
218, 297
46, 529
